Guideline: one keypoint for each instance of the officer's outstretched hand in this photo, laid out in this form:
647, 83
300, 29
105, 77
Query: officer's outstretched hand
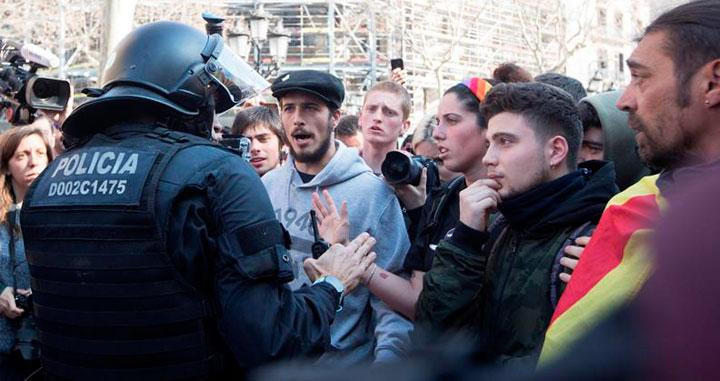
347, 263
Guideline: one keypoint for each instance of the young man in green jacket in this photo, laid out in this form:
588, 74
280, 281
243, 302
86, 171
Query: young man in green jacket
499, 281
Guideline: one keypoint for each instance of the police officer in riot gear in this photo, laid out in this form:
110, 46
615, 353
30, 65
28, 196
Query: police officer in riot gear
155, 254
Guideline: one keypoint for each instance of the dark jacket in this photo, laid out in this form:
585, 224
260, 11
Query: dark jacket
191, 226
496, 284
619, 139
438, 216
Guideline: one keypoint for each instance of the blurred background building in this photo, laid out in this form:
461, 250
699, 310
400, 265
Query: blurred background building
440, 42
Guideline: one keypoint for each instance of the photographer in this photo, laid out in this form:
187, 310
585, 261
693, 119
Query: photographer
25, 95
461, 141
55, 120
25, 153
383, 119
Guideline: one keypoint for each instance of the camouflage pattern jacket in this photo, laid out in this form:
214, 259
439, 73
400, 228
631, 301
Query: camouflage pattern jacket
495, 286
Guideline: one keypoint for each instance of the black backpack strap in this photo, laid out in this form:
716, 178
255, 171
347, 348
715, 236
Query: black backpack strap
439, 205
11, 220
556, 288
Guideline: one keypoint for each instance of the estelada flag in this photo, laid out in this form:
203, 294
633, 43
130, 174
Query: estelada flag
612, 269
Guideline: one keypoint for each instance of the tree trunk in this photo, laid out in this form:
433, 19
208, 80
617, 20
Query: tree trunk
119, 16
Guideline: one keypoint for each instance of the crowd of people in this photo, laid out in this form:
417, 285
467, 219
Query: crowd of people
525, 239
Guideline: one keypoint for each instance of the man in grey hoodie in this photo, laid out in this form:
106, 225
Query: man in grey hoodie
365, 329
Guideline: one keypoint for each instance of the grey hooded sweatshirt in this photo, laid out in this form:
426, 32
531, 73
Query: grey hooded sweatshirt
365, 329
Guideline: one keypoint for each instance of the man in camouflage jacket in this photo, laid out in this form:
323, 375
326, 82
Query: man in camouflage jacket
499, 281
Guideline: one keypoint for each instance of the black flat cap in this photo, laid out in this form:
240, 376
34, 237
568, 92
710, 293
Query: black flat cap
319, 83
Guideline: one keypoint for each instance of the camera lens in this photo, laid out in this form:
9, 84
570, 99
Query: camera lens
395, 167
22, 302
399, 168
47, 93
44, 89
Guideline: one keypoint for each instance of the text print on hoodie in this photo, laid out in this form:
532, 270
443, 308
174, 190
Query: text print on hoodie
365, 329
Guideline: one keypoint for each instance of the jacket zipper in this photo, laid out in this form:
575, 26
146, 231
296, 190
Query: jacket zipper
513, 253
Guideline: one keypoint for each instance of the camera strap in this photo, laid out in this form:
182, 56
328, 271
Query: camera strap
11, 215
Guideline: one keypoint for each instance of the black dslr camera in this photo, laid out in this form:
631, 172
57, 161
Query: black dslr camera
24, 303
22, 91
26, 335
401, 168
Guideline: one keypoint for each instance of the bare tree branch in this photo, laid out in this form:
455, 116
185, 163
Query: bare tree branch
544, 27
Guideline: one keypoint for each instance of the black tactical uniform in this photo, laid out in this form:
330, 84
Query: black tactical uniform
153, 253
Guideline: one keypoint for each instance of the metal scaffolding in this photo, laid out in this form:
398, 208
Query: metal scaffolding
440, 42
338, 36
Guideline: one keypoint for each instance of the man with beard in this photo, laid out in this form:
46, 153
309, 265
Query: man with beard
365, 329
673, 105
497, 280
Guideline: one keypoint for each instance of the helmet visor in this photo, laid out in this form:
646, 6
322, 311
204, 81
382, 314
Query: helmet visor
236, 80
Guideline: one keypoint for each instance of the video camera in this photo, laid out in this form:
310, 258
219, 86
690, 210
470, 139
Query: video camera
22, 91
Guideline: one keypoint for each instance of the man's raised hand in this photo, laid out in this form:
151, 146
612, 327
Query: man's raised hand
333, 225
347, 263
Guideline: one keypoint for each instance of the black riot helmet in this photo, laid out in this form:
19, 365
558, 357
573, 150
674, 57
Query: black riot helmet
169, 70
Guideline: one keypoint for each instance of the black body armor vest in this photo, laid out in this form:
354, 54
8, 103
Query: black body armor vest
109, 303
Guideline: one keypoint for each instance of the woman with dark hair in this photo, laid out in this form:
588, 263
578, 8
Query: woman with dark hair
24, 153
509, 72
460, 136
425, 145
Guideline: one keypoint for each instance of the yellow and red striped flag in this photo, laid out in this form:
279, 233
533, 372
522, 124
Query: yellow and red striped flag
613, 267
